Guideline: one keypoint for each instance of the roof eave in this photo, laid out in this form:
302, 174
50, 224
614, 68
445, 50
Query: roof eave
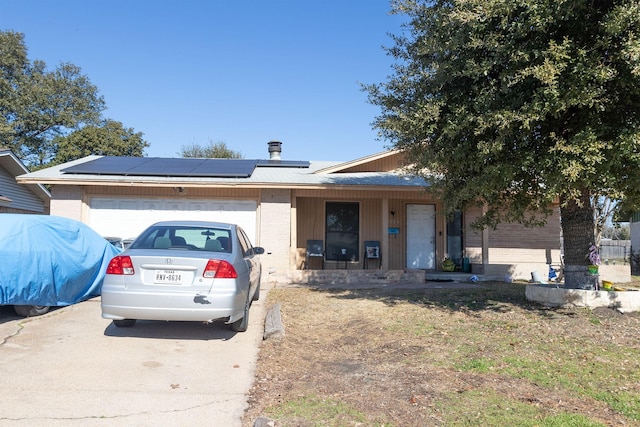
190, 184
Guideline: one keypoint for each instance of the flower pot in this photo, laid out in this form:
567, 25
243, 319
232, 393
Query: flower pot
448, 265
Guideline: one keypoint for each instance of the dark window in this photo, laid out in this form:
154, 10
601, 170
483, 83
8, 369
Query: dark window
342, 231
454, 238
177, 237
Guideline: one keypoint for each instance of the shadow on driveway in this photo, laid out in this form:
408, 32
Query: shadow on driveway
158, 329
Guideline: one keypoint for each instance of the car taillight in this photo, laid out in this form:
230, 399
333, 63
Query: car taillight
120, 265
219, 269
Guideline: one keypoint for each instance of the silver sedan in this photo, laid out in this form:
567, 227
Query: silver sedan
184, 271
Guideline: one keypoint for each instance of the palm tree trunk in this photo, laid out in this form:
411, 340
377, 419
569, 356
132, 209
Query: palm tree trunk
578, 231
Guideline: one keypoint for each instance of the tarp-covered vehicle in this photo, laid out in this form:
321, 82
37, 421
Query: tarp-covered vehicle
48, 261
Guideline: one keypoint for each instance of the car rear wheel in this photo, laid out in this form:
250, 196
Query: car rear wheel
30, 310
241, 325
256, 295
124, 323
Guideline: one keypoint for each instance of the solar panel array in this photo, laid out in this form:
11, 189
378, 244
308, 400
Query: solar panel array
283, 163
182, 167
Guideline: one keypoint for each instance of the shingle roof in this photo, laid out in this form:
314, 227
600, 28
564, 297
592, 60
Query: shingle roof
318, 173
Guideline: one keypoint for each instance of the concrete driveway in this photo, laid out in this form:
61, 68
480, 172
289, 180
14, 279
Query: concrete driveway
71, 367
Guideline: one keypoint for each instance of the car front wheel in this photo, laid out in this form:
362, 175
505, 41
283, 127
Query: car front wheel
30, 310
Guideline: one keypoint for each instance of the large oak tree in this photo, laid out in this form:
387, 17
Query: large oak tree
514, 104
36, 105
111, 138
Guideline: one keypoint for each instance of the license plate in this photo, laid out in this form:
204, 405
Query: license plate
167, 276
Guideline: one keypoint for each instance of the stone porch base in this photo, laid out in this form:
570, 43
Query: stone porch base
550, 296
335, 277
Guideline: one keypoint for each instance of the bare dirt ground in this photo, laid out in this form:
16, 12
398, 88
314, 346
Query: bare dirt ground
436, 357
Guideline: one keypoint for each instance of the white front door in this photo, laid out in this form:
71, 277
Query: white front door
421, 229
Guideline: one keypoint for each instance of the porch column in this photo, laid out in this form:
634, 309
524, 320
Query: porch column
384, 239
485, 244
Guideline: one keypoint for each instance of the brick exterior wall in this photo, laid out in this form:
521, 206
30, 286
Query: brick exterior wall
511, 250
275, 235
68, 201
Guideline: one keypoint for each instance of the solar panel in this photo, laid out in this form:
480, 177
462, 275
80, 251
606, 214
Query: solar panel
109, 165
236, 168
156, 166
164, 167
283, 163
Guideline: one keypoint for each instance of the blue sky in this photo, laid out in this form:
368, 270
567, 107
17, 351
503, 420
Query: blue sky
232, 71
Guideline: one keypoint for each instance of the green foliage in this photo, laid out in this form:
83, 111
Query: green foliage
37, 105
511, 104
217, 150
110, 139
617, 231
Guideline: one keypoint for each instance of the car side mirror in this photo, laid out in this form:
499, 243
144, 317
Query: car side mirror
258, 250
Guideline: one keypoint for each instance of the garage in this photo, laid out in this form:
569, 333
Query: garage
128, 217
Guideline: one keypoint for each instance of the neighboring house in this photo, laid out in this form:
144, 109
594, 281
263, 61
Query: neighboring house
365, 206
30, 198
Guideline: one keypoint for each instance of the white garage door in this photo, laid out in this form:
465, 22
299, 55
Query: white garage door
128, 217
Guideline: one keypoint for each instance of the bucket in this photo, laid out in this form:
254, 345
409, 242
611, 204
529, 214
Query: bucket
537, 278
466, 266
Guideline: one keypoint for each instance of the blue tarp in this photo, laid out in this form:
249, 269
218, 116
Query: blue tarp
50, 261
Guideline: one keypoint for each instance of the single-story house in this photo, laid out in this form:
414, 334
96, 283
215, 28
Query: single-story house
357, 216
32, 198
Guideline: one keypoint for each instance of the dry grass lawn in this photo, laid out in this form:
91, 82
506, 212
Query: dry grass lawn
445, 357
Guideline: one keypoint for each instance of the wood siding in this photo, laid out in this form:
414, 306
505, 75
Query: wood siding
385, 164
163, 192
512, 243
20, 198
310, 218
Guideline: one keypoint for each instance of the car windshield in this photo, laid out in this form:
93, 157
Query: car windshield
187, 238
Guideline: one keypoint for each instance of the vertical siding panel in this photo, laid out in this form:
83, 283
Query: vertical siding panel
310, 220
164, 192
370, 224
397, 242
21, 198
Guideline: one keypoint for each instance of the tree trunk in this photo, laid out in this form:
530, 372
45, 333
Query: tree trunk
578, 232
